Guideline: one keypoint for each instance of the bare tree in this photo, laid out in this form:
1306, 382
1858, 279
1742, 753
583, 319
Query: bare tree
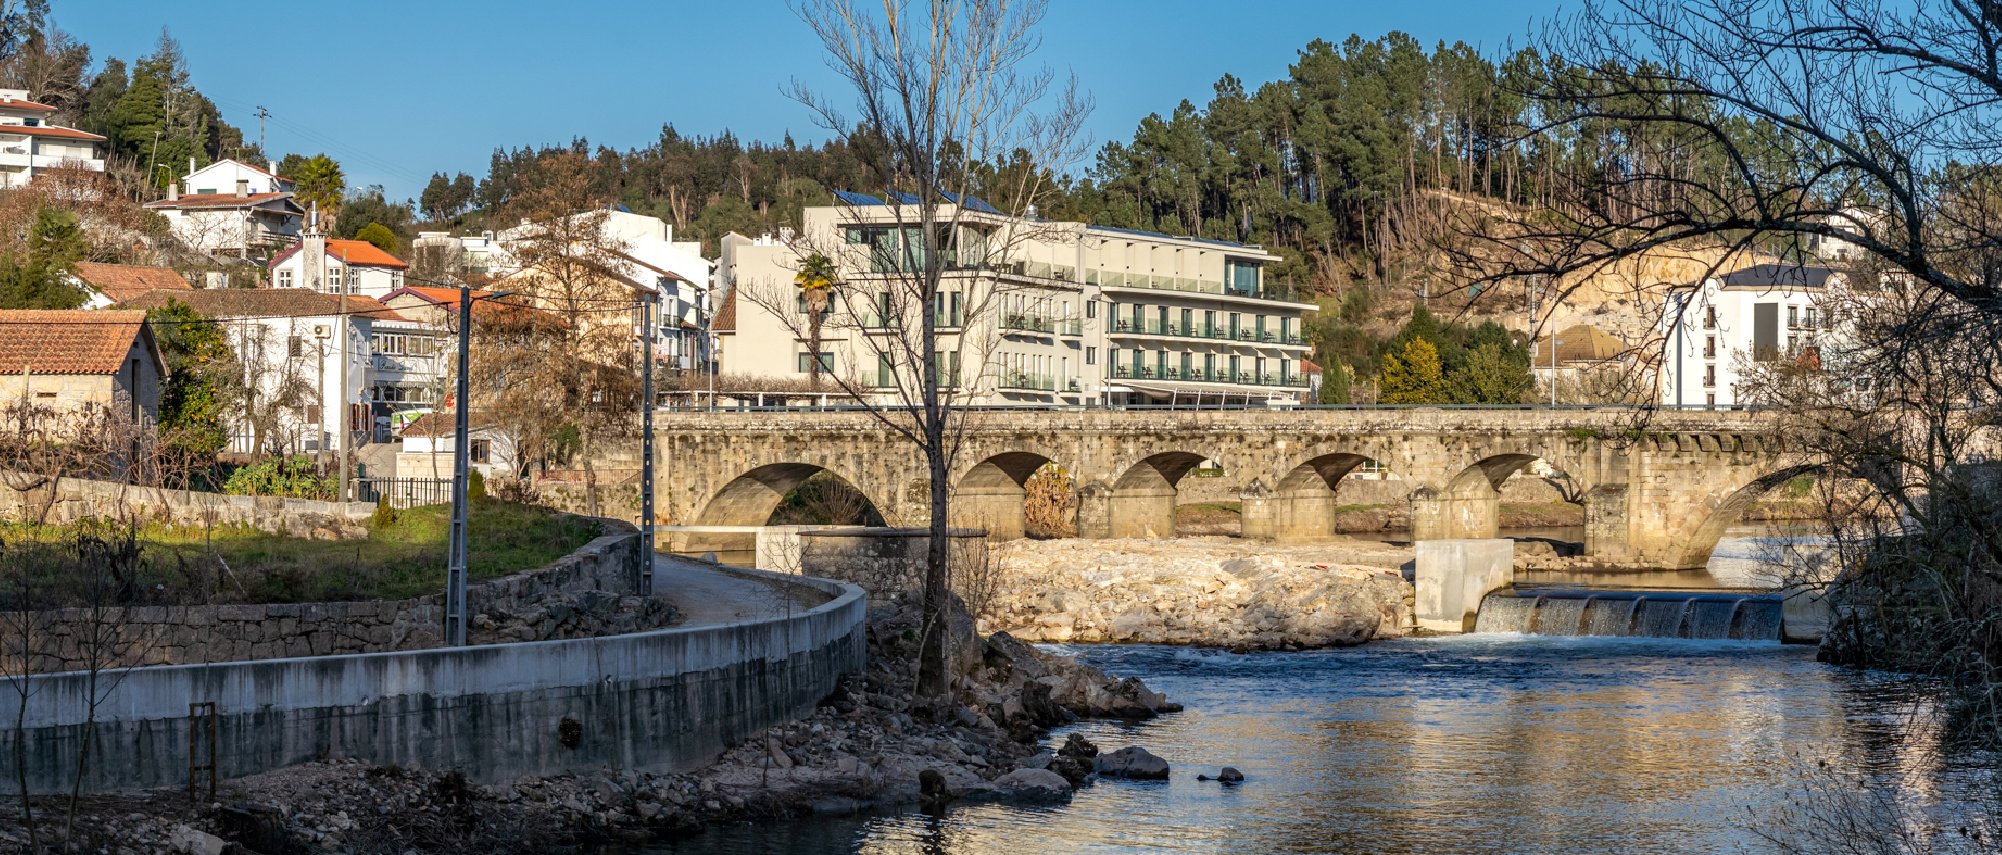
940, 89
570, 367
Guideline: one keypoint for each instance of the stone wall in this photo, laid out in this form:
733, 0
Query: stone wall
550, 602
73, 499
662, 700
885, 562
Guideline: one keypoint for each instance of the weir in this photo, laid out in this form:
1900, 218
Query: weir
1744, 616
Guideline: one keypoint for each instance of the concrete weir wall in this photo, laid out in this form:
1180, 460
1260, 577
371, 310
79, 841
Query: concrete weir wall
661, 700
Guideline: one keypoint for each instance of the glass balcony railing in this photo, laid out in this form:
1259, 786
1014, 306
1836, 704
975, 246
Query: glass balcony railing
1149, 326
1028, 382
1216, 375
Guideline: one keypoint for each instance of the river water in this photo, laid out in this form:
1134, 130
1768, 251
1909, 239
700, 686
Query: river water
1470, 744
1482, 743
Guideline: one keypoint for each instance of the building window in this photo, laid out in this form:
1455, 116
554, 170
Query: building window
1709, 376
1810, 317
1709, 347
1710, 399
886, 374
296, 346
1793, 317
480, 450
805, 365
1709, 317
1091, 356
1091, 309
284, 278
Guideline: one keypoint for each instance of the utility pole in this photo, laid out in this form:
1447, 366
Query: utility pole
455, 568
347, 412
646, 447
262, 114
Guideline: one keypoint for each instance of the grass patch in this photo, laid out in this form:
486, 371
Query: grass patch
403, 559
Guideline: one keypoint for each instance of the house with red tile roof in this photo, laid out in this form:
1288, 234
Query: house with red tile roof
117, 283
335, 266
234, 222
78, 358
30, 144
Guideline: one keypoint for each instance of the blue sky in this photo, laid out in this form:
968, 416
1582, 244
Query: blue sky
396, 91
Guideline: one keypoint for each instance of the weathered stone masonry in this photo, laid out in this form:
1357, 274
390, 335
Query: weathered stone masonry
1659, 491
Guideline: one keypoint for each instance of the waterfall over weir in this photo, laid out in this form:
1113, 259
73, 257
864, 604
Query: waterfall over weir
1641, 614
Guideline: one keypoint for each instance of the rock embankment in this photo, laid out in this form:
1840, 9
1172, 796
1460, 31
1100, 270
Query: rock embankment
867, 745
1205, 591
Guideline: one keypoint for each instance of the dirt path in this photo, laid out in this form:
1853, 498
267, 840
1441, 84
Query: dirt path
705, 595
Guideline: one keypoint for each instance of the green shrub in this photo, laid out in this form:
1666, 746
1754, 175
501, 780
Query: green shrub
384, 517
476, 486
290, 477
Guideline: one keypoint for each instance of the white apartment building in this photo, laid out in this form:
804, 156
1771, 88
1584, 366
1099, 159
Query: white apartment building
232, 207
1714, 334
334, 266
29, 144
308, 358
1031, 312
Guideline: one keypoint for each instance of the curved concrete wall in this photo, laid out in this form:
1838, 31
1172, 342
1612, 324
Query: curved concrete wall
662, 700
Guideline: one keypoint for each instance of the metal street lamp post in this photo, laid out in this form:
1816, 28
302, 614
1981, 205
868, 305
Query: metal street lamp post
455, 563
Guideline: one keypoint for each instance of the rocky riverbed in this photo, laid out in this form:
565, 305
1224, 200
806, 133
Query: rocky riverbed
866, 745
1218, 592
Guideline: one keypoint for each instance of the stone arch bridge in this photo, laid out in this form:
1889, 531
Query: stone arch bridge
1658, 490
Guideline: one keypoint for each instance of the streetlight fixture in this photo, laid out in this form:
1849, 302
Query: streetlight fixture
455, 563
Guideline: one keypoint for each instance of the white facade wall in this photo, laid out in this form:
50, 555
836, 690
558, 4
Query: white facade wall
1709, 338
357, 279
306, 351
222, 177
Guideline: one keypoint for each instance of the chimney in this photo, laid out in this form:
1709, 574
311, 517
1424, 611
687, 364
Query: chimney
313, 253
191, 164
271, 166
242, 187
174, 191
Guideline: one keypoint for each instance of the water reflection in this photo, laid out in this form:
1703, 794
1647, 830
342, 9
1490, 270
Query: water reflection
1475, 744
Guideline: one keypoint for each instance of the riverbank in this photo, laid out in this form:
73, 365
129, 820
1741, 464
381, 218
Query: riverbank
1206, 591
863, 747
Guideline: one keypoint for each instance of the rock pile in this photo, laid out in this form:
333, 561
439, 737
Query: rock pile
1204, 591
563, 614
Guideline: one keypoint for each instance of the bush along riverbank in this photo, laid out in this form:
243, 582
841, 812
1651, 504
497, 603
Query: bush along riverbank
866, 746
1213, 592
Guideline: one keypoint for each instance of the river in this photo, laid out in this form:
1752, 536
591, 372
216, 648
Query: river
1482, 743
1470, 744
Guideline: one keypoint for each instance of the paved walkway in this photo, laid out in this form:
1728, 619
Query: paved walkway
705, 595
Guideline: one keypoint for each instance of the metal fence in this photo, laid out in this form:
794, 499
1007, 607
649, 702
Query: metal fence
404, 492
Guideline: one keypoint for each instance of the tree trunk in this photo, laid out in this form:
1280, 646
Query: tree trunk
933, 682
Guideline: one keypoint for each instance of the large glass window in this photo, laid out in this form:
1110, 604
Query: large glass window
1240, 277
805, 362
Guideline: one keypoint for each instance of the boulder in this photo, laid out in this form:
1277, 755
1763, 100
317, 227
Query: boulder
1132, 762
194, 841
1032, 786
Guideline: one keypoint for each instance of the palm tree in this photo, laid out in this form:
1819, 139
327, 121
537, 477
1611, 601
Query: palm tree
816, 281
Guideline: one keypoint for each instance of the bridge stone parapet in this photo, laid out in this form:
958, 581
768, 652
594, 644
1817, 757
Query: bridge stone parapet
1658, 487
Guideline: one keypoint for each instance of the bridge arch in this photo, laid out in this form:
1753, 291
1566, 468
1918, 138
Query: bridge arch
750, 500
1141, 501
993, 494
1469, 504
1304, 499
1700, 536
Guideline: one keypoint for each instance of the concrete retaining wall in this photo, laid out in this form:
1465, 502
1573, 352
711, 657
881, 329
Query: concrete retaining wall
661, 700
72, 499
